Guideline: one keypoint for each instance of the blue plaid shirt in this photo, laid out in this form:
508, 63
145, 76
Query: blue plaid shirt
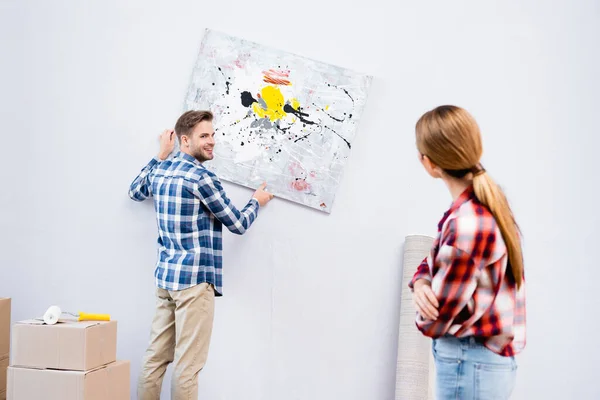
191, 208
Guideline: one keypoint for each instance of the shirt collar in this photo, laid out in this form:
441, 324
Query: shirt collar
467, 195
187, 157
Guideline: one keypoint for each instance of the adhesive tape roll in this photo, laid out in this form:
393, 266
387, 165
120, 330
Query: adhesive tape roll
52, 315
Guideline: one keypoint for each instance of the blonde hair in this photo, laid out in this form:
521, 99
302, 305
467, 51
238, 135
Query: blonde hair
450, 138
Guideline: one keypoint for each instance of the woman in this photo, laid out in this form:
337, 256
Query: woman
470, 290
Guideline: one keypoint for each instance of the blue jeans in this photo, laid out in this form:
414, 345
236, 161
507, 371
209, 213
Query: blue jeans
466, 369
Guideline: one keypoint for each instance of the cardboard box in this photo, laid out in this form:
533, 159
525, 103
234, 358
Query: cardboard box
3, 372
109, 382
67, 345
4, 328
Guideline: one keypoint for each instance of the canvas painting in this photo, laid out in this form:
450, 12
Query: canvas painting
280, 118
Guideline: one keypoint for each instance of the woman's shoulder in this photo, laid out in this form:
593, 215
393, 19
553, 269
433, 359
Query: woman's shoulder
473, 228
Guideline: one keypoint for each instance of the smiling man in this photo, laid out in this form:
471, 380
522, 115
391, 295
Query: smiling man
191, 208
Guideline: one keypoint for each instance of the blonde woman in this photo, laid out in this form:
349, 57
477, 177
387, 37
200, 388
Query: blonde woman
470, 290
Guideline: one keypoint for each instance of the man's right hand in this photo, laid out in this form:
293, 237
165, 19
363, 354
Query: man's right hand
262, 196
167, 143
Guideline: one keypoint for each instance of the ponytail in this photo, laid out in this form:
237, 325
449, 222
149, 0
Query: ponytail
489, 194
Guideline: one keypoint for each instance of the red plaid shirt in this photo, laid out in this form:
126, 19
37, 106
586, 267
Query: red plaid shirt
467, 268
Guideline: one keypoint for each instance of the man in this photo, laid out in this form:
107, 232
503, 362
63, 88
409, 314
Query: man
191, 207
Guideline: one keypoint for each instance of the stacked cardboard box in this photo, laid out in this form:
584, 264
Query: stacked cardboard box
66, 361
4, 343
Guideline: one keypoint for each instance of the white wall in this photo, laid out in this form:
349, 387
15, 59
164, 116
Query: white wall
311, 301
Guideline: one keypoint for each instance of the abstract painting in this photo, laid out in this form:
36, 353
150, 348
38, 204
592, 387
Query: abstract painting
280, 118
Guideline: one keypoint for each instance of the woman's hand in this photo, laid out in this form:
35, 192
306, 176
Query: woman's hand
424, 300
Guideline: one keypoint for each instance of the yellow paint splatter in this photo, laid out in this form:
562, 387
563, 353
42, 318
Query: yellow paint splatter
274, 101
295, 104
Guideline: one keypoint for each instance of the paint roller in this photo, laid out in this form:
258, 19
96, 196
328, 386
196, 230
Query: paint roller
54, 312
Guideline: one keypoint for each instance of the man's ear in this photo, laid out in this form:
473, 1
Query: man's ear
185, 140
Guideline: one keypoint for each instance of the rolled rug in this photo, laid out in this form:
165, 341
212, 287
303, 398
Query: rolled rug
414, 365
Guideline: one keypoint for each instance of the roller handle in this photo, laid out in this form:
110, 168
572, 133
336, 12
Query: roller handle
93, 317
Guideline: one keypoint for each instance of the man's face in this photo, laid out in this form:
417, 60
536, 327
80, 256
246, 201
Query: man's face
201, 141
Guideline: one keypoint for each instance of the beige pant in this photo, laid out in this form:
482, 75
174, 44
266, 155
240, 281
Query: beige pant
181, 332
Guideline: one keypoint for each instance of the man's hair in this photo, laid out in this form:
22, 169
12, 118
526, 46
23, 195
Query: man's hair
189, 119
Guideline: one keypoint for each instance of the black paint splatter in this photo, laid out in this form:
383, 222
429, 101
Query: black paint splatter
303, 137
284, 130
334, 118
329, 115
247, 99
237, 122
323, 126
227, 83
340, 136
291, 110
345, 91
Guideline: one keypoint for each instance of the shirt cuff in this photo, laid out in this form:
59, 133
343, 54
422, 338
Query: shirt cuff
416, 277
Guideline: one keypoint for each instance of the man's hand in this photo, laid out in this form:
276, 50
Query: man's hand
167, 143
262, 196
424, 299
